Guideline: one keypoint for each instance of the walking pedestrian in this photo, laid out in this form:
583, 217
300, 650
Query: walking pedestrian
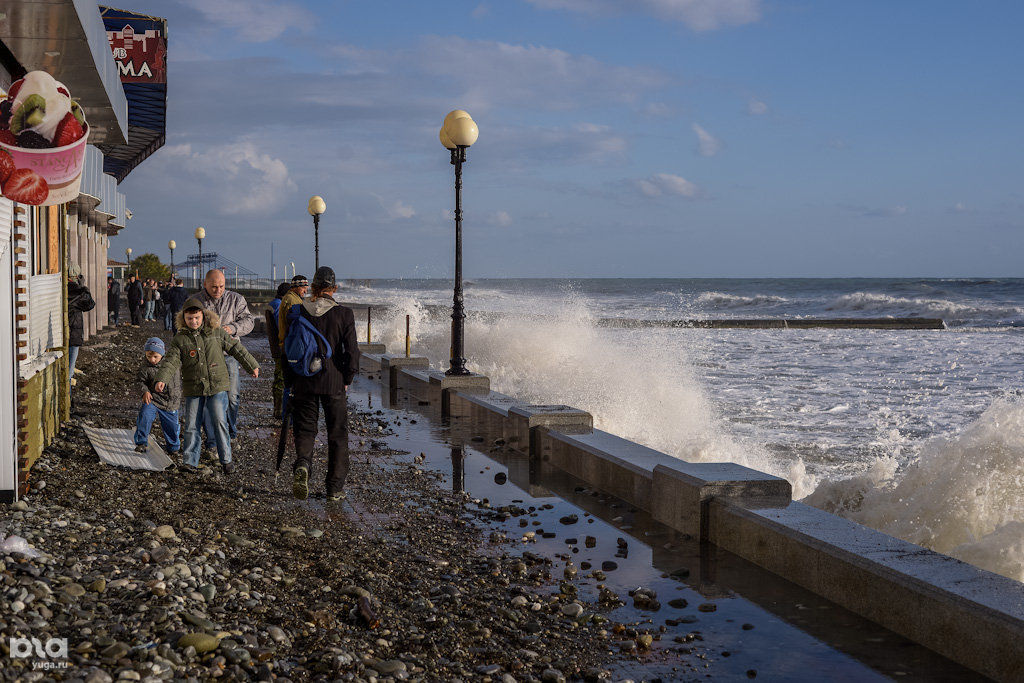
327, 388
157, 404
295, 295
113, 299
237, 320
149, 296
135, 296
271, 315
79, 301
173, 301
199, 350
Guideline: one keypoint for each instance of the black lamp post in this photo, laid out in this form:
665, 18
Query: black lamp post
458, 133
316, 206
171, 245
200, 234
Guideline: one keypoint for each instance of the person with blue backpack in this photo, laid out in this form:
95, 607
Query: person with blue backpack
322, 355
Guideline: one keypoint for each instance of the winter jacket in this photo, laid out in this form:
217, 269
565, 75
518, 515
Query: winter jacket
149, 293
168, 399
79, 301
134, 294
270, 316
338, 325
232, 309
175, 298
113, 295
287, 301
199, 354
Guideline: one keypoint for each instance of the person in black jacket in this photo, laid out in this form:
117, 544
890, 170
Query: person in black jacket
79, 301
173, 301
326, 388
135, 295
113, 299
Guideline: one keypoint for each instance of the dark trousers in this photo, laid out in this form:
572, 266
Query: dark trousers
305, 414
136, 312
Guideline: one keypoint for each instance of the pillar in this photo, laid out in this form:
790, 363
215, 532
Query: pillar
101, 283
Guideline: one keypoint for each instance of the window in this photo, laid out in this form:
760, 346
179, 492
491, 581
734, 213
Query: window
44, 224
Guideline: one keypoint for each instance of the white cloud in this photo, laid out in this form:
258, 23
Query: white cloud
235, 176
256, 21
657, 109
399, 210
959, 207
661, 184
707, 144
699, 15
502, 219
756, 107
480, 11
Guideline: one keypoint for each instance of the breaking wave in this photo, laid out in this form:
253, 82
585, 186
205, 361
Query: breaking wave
885, 305
725, 300
963, 495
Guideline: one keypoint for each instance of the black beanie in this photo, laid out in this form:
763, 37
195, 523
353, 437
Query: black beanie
324, 278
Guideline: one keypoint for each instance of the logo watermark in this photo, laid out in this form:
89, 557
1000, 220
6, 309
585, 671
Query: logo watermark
53, 654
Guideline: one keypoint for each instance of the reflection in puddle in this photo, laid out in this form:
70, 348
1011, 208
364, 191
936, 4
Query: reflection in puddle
746, 621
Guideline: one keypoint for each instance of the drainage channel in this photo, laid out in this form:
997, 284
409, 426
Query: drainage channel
709, 611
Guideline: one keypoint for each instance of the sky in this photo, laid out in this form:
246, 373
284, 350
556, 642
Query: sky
618, 138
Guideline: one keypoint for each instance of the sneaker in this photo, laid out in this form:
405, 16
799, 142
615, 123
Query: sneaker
78, 371
300, 483
189, 469
335, 496
209, 453
141, 448
228, 467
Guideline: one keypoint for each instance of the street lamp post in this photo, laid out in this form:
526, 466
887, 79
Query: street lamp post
458, 133
292, 264
128, 258
200, 234
171, 245
316, 206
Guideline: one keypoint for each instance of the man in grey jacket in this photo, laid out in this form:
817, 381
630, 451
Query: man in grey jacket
238, 321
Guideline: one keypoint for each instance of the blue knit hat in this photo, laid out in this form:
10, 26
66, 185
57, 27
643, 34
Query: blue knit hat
155, 344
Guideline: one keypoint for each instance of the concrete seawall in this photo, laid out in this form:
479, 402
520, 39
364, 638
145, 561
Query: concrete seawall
969, 615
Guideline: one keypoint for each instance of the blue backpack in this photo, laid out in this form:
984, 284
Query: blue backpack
304, 347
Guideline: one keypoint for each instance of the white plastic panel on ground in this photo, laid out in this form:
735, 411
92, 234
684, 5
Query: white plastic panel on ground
46, 326
117, 447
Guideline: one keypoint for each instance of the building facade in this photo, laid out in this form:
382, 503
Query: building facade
38, 244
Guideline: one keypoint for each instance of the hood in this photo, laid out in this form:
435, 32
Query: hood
317, 307
211, 320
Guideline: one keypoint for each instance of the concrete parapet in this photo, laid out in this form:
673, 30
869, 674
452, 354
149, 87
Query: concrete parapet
970, 615
440, 382
367, 347
681, 492
369, 362
391, 363
525, 418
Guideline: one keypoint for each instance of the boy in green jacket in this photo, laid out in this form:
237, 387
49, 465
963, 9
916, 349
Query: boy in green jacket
198, 351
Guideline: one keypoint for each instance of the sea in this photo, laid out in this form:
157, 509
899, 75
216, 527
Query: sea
916, 433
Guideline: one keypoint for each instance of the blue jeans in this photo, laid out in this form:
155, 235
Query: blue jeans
148, 314
213, 410
168, 423
72, 359
232, 365
168, 318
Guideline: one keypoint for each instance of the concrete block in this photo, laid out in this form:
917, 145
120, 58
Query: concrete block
969, 615
681, 492
391, 363
492, 401
523, 418
470, 382
369, 362
366, 347
476, 414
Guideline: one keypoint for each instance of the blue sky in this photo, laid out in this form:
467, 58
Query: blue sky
618, 138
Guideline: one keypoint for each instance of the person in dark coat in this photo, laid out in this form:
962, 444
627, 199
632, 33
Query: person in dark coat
113, 299
79, 301
173, 302
135, 296
326, 388
271, 316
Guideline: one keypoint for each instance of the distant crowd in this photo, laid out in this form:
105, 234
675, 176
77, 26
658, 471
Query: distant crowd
190, 382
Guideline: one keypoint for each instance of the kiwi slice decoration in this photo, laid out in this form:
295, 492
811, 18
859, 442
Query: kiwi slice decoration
78, 113
31, 113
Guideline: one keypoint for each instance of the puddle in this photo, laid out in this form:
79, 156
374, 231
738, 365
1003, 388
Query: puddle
760, 624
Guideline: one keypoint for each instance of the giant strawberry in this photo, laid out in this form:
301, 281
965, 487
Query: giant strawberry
6, 167
68, 130
25, 186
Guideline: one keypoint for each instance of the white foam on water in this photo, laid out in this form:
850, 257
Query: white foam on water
886, 305
725, 300
963, 495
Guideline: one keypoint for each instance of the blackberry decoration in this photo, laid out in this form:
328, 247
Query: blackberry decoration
32, 140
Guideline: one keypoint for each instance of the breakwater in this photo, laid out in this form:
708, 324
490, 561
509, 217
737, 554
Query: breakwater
969, 615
